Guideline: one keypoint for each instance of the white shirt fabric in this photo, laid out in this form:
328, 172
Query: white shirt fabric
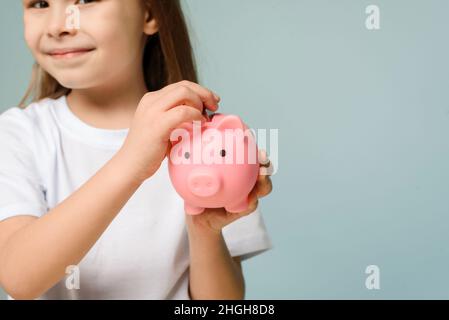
47, 153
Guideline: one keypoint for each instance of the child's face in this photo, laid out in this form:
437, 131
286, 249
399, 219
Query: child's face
113, 30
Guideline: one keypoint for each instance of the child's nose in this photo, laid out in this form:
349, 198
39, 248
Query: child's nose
63, 20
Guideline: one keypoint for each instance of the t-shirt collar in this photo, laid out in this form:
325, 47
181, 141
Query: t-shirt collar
110, 138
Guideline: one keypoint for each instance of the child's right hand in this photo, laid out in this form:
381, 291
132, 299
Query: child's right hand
157, 115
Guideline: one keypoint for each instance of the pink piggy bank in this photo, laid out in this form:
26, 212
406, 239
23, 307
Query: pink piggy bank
214, 164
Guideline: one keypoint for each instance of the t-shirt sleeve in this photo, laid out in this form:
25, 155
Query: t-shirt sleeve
21, 191
248, 236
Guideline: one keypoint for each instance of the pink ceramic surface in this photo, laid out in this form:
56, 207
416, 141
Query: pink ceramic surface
204, 184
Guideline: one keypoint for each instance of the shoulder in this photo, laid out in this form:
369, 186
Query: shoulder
35, 124
36, 116
33, 114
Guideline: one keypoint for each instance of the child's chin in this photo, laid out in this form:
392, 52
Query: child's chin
70, 83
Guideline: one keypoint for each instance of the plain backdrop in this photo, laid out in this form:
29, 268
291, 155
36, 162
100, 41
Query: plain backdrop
363, 120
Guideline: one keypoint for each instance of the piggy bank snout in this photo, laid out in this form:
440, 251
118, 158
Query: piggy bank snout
203, 183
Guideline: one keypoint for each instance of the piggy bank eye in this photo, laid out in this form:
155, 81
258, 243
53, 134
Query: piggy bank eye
223, 153
187, 155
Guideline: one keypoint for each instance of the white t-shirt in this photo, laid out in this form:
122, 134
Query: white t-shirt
47, 152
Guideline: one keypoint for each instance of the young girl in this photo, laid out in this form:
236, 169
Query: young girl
84, 197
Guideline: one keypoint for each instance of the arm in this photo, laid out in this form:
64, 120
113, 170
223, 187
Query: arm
214, 274
34, 253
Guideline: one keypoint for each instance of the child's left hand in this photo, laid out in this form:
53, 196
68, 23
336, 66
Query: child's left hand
215, 219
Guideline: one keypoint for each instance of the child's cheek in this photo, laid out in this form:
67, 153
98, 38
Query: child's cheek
31, 35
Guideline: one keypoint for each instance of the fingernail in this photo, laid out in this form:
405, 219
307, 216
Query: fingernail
217, 97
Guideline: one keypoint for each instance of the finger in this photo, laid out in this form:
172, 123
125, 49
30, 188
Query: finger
208, 97
266, 167
180, 95
168, 151
252, 206
253, 202
264, 186
263, 157
266, 170
176, 116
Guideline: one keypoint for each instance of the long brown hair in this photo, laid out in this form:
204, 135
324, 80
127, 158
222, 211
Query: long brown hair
168, 56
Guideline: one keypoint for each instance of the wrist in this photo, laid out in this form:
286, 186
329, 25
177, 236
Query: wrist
198, 228
124, 167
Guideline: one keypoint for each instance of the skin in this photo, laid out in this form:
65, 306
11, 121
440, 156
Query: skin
115, 64
108, 91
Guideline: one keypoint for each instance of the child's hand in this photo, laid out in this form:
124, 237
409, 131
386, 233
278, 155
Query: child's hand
157, 114
214, 220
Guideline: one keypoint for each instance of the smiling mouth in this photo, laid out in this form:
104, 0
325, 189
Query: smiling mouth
65, 54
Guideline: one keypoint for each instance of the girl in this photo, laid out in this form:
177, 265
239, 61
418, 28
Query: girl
87, 210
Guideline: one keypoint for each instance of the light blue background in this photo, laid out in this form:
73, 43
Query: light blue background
363, 119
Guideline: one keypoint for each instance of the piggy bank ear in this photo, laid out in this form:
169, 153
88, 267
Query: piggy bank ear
183, 131
230, 122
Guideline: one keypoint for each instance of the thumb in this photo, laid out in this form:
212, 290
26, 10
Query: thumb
169, 146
